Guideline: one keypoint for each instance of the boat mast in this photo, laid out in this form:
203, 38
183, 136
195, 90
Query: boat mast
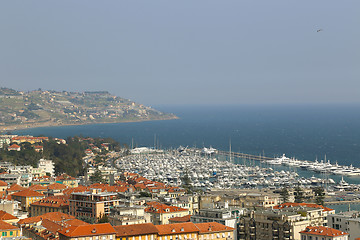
230, 149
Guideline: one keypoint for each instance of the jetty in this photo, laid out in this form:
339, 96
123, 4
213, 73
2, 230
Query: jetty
244, 156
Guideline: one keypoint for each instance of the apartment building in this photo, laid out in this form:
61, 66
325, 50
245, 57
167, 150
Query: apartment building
93, 203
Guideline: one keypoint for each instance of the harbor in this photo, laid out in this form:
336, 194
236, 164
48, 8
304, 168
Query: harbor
208, 168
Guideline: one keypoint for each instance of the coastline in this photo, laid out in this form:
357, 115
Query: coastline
54, 124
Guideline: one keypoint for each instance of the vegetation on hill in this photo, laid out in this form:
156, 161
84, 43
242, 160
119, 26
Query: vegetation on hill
68, 158
51, 108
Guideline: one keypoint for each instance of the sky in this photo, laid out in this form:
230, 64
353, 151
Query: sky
185, 52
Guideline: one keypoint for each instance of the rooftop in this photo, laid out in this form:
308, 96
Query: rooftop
135, 229
323, 231
177, 228
88, 230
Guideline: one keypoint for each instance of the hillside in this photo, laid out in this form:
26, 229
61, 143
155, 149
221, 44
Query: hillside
51, 108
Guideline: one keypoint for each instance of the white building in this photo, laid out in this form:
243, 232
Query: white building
48, 166
339, 221
354, 228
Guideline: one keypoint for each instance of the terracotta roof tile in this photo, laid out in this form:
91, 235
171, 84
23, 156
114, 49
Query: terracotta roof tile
37, 187
80, 188
52, 216
180, 219
6, 216
3, 184
6, 226
311, 205
56, 186
64, 177
52, 202
177, 228
14, 146
156, 207
213, 227
15, 187
28, 193
323, 231
50, 225
88, 230
135, 229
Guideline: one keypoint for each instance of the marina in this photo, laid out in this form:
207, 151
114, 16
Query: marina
207, 169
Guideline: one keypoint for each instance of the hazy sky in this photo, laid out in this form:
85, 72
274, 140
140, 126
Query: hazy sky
187, 51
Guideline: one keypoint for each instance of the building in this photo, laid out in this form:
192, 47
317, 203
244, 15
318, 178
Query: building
56, 189
9, 206
190, 202
225, 216
29, 139
320, 232
243, 198
161, 213
124, 215
14, 188
177, 231
67, 180
92, 204
102, 231
27, 197
10, 178
136, 232
319, 219
46, 226
38, 188
48, 166
8, 231
188, 230
354, 228
285, 223
214, 230
14, 147
3, 186
5, 140
183, 219
7, 217
38, 148
49, 204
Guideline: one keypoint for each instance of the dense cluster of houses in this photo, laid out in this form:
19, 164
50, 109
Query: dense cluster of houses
37, 204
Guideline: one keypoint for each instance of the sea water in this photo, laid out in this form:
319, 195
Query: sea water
306, 132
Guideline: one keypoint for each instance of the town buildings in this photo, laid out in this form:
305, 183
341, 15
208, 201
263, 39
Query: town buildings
93, 203
27, 197
161, 213
88, 232
320, 232
49, 204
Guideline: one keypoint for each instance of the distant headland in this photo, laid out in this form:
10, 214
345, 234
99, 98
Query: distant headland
38, 108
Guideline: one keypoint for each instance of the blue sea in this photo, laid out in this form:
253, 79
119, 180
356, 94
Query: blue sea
305, 132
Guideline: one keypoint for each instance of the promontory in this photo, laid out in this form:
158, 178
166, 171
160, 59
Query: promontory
40, 108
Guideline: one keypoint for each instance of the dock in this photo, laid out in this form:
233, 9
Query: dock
341, 202
244, 156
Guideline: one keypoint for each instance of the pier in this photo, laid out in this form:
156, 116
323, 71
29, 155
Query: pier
341, 202
245, 156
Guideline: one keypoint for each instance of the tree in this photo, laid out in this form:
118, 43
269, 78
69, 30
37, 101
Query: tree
96, 177
103, 219
186, 182
284, 195
87, 219
319, 195
145, 194
299, 195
